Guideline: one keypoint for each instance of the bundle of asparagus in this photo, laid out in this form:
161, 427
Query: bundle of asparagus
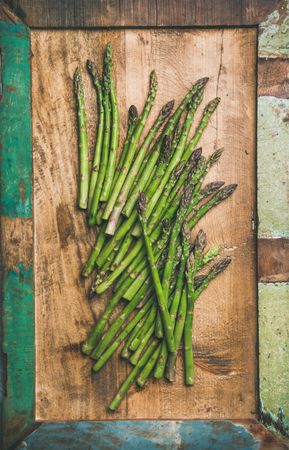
145, 208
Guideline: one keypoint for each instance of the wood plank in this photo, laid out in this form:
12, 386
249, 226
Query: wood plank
273, 260
225, 325
148, 435
110, 13
273, 77
16, 240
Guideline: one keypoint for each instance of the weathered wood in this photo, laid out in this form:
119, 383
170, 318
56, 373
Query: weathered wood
17, 305
148, 435
273, 260
225, 325
110, 13
273, 77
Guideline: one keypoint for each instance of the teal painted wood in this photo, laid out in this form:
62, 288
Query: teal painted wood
15, 163
17, 402
144, 435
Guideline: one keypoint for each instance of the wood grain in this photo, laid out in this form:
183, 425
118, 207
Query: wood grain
110, 13
273, 77
273, 260
225, 324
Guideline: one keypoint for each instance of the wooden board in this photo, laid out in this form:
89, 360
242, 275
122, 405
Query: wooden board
225, 323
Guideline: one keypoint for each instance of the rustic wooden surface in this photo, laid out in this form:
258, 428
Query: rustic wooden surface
108, 13
225, 325
273, 261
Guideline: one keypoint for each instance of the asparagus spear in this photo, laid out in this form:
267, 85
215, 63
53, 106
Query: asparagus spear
133, 145
106, 87
191, 271
125, 353
89, 266
114, 137
167, 325
133, 374
160, 367
147, 369
123, 194
125, 227
117, 342
99, 134
193, 294
132, 121
83, 141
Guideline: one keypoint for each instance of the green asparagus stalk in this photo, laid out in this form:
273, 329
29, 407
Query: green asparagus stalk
167, 325
107, 338
132, 146
122, 336
90, 264
214, 201
83, 141
138, 338
191, 272
178, 155
106, 87
123, 194
132, 121
133, 374
147, 369
161, 364
125, 353
127, 224
146, 337
99, 134
126, 243
208, 111
114, 137
193, 294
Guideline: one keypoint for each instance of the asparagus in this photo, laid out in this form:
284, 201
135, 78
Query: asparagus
122, 197
191, 271
89, 266
160, 367
106, 87
146, 371
132, 146
132, 376
114, 137
100, 128
137, 354
83, 141
193, 294
167, 325
214, 201
125, 332
125, 353
125, 227
132, 121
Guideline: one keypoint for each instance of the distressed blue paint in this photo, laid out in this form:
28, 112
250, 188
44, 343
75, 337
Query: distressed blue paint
15, 134
18, 345
144, 435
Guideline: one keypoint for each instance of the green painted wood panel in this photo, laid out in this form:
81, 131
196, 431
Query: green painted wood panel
17, 299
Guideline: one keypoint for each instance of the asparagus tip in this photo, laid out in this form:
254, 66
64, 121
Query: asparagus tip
187, 196
215, 156
141, 204
220, 266
153, 81
186, 232
226, 191
132, 115
210, 188
196, 154
166, 149
200, 241
167, 109
91, 67
212, 105
78, 86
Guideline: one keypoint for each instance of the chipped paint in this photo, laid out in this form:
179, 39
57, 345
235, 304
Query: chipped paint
15, 162
274, 33
274, 347
273, 167
145, 435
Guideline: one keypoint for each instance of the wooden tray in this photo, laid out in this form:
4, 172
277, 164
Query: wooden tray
225, 322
